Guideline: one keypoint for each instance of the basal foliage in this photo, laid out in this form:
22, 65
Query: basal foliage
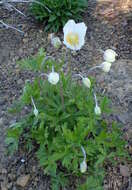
55, 13
66, 122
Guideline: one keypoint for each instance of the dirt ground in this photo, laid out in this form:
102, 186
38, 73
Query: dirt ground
102, 33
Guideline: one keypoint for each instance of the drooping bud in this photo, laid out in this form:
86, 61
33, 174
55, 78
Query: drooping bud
86, 82
106, 66
53, 78
97, 110
110, 55
83, 166
35, 111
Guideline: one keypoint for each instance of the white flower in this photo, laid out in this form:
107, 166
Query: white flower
35, 111
110, 55
83, 166
106, 66
53, 78
56, 42
74, 35
86, 82
97, 110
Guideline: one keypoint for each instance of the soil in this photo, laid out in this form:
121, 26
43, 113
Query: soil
101, 34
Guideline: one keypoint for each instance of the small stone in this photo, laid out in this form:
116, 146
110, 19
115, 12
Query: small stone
22, 160
130, 149
3, 171
124, 170
23, 180
36, 179
20, 81
26, 35
20, 52
1, 122
3, 187
34, 169
9, 185
11, 176
14, 188
40, 31
25, 40
129, 134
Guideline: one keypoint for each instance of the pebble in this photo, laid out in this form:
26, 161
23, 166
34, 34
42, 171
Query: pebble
124, 170
25, 40
11, 177
14, 188
9, 185
30, 188
3, 187
20, 81
1, 122
34, 169
23, 180
3, 171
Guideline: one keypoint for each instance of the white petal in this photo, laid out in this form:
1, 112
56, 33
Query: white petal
81, 29
69, 26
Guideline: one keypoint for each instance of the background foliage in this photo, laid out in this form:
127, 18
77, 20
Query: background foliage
56, 13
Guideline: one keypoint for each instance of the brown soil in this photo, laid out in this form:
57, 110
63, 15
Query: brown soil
101, 34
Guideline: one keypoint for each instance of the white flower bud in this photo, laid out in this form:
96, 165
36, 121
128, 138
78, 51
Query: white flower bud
53, 78
109, 55
83, 166
86, 82
97, 110
35, 112
56, 42
106, 66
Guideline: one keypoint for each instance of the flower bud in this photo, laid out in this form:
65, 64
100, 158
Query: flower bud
83, 166
109, 55
97, 110
35, 112
53, 78
86, 82
106, 66
56, 42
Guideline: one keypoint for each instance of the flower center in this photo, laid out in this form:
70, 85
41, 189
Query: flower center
72, 39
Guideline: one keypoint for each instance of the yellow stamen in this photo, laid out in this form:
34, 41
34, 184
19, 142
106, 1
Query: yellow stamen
72, 39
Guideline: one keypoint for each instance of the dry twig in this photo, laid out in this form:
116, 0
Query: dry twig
8, 5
